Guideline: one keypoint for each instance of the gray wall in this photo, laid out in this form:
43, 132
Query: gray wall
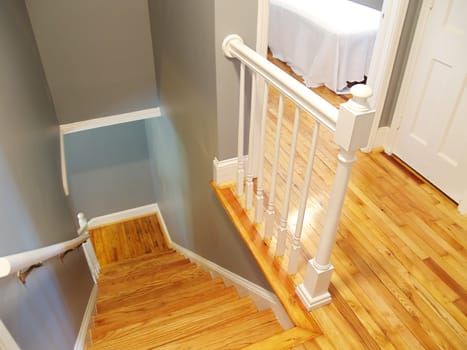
97, 56
108, 169
227, 14
45, 313
376, 4
183, 143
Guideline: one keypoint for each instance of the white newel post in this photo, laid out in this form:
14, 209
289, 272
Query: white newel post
352, 132
89, 253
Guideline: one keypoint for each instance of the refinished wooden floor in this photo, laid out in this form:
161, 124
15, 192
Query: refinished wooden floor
400, 279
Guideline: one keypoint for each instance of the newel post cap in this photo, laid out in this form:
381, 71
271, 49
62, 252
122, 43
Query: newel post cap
226, 44
360, 94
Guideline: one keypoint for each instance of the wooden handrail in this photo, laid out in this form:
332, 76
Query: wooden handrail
23, 263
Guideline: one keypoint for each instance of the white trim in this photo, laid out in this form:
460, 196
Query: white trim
66, 189
123, 215
380, 138
80, 343
462, 207
262, 29
225, 171
110, 120
163, 226
262, 298
408, 75
98, 123
382, 62
7, 342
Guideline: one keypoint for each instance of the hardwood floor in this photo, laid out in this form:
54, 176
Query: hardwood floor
400, 280
127, 239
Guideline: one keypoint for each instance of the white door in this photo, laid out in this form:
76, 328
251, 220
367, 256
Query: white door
432, 137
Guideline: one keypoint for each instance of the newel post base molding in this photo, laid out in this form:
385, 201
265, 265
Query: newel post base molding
313, 292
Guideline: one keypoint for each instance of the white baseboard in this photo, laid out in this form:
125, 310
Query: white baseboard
80, 343
262, 298
225, 171
123, 215
7, 342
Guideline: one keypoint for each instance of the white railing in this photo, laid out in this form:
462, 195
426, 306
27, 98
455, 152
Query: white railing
23, 263
351, 126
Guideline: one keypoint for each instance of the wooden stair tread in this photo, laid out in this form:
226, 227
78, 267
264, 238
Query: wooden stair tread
161, 299
145, 312
141, 274
236, 334
167, 277
149, 292
288, 339
127, 266
178, 324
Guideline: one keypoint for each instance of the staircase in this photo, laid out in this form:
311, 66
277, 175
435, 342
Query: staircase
162, 300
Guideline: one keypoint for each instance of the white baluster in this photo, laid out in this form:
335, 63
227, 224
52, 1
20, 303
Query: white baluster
283, 232
259, 184
241, 131
352, 132
295, 251
270, 211
249, 178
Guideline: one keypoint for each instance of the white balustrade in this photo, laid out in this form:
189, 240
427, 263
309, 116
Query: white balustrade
351, 125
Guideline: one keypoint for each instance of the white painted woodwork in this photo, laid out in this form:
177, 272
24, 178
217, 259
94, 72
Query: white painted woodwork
241, 131
351, 126
98, 123
295, 250
251, 167
225, 171
309, 101
259, 204
7, 342
433, 104
89, 253
270, 210
80, 343
283, 231
352, 132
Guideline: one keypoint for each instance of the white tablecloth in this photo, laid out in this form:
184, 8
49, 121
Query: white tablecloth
327, 42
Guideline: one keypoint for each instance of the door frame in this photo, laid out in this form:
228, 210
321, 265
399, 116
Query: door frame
401, 102
384, 54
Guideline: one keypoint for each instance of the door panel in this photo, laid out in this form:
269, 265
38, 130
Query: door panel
432, 137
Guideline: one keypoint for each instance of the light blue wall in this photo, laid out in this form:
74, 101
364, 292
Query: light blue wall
183, 143
45, 313
108, 169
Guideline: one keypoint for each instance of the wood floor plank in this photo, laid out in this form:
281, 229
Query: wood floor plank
283, 341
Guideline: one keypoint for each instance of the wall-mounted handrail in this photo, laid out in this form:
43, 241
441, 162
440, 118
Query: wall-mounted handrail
323, 111
16, 263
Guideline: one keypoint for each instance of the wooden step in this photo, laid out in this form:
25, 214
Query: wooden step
288, 339
128, 266
156, 309
149, 292
173, 297
143, 273
168, 328
167, 277
236, 334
